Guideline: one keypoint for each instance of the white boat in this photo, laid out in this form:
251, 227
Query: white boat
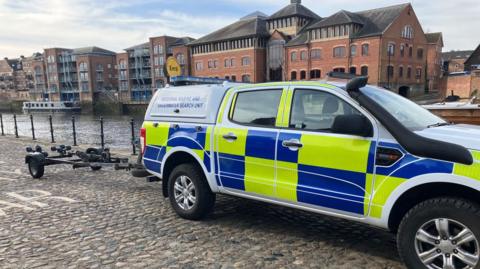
47, 106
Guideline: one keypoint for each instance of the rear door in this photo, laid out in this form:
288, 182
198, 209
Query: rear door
317, 167
245, 141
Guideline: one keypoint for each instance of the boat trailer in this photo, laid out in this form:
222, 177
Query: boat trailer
93, 158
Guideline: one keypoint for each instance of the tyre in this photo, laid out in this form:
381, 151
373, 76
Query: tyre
95, 168
189, 192
441, 233
36, 168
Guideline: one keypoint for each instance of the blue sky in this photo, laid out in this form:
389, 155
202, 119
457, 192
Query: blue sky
28, 26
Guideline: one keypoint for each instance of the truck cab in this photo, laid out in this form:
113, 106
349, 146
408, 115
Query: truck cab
348, 150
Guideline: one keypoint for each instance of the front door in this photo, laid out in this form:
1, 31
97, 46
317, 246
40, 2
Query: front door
245, 142
318, 167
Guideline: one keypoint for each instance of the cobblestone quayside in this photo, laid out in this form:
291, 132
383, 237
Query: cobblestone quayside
107, 219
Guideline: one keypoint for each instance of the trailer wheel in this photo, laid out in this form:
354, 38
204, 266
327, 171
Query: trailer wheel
36, 168
95, 168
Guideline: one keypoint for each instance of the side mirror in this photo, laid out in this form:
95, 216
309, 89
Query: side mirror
352, 125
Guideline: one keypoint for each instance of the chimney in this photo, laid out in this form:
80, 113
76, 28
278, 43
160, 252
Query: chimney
296, 2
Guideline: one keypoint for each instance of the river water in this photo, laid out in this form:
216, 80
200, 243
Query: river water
117, 129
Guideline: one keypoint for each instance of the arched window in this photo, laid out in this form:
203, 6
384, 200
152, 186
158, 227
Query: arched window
353, 70
364, 70
407, 32
315, 74
353, 50
180, 58
293, 56
303, 55
246, 78
293, 75
303, 74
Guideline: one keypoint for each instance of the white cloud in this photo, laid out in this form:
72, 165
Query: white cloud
32, 25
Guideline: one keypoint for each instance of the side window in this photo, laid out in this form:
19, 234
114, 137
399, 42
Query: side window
316, 110
256, 107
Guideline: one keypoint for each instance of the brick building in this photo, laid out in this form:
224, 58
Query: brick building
387, 44
34, 67
141, 69
454, 61
434, 60
473, 61
77, 74
14, 83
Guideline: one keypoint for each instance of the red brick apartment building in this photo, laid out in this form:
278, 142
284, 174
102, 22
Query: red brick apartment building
141, 69
14, 82
79, 74
387, 44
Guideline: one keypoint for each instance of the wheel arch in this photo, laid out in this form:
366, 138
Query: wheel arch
182, 155
422, 188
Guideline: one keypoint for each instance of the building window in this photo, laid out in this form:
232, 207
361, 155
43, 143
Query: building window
215, 64
400, 72
391, 49
409, 72
364, 70
418, 73
245, 61
315, 54
293, 75
353, 70
293, 56
419, 54
353, 50
227, 63
303, 74
83, 66
410, 52
199, 66
210, 63
402, 50
339, 52
407, 32
160, 49
246, 79
315, 73
232, 62
390, 71
303, 55
234, 78
365, 49
339, 70
181, 59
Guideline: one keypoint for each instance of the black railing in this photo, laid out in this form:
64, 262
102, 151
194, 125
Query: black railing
51, 131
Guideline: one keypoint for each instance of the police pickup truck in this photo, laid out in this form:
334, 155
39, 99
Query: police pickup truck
348, 150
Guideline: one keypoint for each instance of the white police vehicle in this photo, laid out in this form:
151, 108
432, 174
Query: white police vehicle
347, 150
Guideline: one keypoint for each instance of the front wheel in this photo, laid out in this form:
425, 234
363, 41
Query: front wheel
441, 233
36, 168
189, 192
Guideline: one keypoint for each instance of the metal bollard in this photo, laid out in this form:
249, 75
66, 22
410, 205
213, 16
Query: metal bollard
51, 128
1, 124
132, 124
15, 125
33, 128
102, 136
74, 132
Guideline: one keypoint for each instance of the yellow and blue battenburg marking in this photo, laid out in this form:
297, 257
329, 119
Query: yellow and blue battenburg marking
166, 136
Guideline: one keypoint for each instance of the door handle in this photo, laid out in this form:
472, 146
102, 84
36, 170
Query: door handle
292, 144
230, 136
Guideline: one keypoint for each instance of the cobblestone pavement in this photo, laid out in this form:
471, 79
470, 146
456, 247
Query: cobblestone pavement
107, 219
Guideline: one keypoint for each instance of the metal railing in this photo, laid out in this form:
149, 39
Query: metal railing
74, 133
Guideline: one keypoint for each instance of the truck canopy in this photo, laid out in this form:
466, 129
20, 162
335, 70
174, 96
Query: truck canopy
191, 104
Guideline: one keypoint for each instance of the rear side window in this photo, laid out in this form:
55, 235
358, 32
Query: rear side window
316, 110
257, 107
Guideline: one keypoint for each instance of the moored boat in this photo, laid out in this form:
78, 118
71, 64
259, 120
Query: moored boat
47, 106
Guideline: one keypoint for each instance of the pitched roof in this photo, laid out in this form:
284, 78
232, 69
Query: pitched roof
139, 46
183, 41
456, 54
433, 37
294, 9
92, 50
241, 28
378, 20
341, 17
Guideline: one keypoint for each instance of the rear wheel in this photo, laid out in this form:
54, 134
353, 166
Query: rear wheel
95, 168
441, 233
36, 168
189, 192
